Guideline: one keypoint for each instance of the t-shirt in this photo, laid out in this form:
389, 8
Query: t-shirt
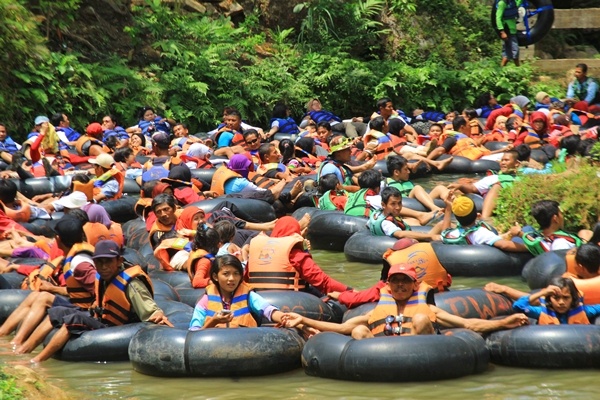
479, 236
483, 185
241, 185
330, 168
110, 188
225, 139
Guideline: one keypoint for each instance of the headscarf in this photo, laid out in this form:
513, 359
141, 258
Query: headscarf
97, 213
159, 188
241, 164
537, 116
285, 226
185, 219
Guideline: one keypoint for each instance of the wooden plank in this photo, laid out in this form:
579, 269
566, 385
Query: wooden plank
565, 64
577, 18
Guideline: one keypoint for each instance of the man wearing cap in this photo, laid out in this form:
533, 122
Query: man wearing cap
337, 163
472, 231
72, 276
91, 144
403, 309
109, 181
123, 296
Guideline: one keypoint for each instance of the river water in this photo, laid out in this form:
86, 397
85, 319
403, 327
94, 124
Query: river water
119, 381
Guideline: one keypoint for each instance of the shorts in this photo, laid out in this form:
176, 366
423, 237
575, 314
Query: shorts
76, 321
510, 48
60, 301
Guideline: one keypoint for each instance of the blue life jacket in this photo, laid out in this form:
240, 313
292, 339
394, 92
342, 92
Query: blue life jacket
150, 127
323, 116
9, 145
119, 132
287, 125
70, 133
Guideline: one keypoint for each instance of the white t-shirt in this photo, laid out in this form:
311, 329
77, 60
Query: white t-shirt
483, 185
480, 236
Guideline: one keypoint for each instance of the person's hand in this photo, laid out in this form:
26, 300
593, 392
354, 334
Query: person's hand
184, 232
41, 197
46, 286
552, 290
515, 321
449, 199
503, 35
494, 287
436, 238
308, 332
333, 295
509, 147
159, 318
291, 320
221, 318
453, 186
515, 230
371, 163
357, 119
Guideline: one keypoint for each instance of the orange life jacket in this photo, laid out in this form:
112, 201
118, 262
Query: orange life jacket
143, 207
264, 168
171, 162
239, 306
575, 315
21, 215
200, 163
50, 248
116, 307
96, 231
162, 251
261, 181
385, 143
426, 263
159, 227
590, 287
190, 264
465, 147
416, 304
220, 177
269, 265
49, 271
118, 176
87, 188
78, 295
83, 144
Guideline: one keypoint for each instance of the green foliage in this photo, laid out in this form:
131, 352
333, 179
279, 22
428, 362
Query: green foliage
595, 152
577, 190
8, 388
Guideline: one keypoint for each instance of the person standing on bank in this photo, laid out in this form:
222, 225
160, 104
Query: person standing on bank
507, 15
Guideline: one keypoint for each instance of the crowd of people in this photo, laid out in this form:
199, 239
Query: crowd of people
230, 254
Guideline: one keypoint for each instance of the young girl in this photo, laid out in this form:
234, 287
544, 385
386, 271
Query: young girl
228, 301
226, 230
205, 246
560, 303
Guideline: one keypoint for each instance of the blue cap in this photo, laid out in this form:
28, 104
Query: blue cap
40, 119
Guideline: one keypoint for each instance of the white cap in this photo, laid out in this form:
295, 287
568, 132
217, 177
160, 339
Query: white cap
104, 160
198, 150
74, 200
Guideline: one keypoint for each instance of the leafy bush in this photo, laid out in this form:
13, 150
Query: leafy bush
577, 191
8, 387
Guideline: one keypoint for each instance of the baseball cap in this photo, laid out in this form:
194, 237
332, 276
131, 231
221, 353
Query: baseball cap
339, 143
94, 129
40, 119
74, 200
161, 139
178, 176
106, 249
405, 269
104, 160
462, 206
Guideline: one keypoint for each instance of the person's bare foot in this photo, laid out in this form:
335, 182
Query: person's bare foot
440, 165
304, 221
413, 166
296, 189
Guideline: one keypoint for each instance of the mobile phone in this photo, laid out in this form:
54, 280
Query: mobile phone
225, 312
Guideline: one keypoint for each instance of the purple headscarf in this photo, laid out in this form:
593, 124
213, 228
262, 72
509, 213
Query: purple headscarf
241, 164
97, 213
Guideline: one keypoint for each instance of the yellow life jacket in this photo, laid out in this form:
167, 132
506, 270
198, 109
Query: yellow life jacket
239, 306
220, 177
269, 265
416, 304
116, 307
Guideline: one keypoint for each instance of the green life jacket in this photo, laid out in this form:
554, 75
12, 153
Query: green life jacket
344, 170
403, 187
537, 244
376, 219
358, 205
325, 202
463, 233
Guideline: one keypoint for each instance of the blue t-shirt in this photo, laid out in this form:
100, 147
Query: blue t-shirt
330, 168
225, 139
